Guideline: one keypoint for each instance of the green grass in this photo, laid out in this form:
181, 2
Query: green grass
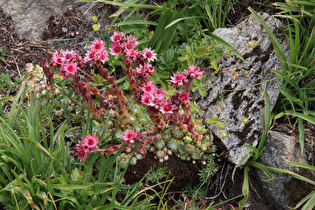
37, 170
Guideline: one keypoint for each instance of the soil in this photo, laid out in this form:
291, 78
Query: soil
20, 52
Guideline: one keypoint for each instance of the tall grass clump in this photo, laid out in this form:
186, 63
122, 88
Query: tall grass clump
38, 171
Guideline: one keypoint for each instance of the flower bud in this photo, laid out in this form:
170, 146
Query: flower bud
223, 135
96, 27
94, 18
245, 120
251, 44
221, 127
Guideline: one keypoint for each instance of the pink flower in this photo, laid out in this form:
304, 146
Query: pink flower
149, 68
90, 55
148, 88
184, 96
132, 40
129, 136
149, 54
115, 49
168, 108
145, 69
70, 68
97, 56
101, 56
57, 58
145, 99
194, 72
157, 100
98, 45
160, 92
178, 79
132, 54
117, 37
141, 69
128, 46
90, 141
81, 151
68, 55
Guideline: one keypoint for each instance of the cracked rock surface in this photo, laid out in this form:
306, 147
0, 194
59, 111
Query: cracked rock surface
243, 96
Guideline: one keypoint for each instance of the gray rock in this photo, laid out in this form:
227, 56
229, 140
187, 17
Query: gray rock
283, 190
244, 95
30, 16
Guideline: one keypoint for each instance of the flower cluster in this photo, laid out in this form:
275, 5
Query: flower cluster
181, 78
67, 63
97, 52
126, 45
86, 146
163, 110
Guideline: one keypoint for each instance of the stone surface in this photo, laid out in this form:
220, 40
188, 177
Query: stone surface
243, 96
30, 16
283, 190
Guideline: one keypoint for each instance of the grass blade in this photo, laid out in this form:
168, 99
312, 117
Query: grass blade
245, 189
302, 165
181, 19
302, 116
275, 42
301, 134
226, 45
266, 120
123, 4
132, 22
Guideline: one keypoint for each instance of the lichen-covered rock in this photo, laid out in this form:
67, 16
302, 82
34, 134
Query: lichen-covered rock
243, 95
284, 190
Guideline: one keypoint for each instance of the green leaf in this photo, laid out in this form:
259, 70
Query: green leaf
275, 42
266, 121
70, 187
141, 22
302, 116
292, 174
255, 152
309, 201
308, 3
122, 4
202, 91
13, 110
265, 169
302, 165
123, 9
301, 134
226, 45
181, 19
245, 189
288, 94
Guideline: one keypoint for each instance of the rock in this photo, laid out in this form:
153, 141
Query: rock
243, 96
283, 190
30, 16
